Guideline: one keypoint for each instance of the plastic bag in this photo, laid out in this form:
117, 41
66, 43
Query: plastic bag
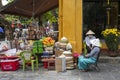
68, 46
22, 45
3, 46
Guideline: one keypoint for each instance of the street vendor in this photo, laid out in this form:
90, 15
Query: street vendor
90, 58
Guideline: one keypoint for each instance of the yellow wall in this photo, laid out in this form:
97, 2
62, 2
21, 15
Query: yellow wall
70, 22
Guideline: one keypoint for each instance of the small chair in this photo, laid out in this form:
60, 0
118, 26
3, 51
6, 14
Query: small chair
27, 56
85, 49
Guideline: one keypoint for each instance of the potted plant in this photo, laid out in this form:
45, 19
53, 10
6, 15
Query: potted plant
112, 40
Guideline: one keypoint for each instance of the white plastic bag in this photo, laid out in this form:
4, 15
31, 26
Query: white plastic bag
22, 45
0, 46
4, 46
68, 46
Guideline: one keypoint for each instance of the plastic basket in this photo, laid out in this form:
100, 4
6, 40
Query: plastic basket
9, 65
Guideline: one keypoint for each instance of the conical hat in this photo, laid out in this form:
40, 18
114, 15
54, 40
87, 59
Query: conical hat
90, 32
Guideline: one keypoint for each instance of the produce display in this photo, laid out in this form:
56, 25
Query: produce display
37, 47
48, 41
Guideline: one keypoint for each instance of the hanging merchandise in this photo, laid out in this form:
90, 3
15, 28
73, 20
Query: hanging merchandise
1, 30
4, 45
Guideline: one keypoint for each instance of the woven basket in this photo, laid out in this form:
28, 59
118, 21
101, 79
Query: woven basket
49, 48
58, 53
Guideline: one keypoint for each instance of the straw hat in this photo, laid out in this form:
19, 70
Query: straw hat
64, 40
90, 32
95, 42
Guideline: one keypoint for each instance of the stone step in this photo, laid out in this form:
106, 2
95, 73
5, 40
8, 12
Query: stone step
107, 59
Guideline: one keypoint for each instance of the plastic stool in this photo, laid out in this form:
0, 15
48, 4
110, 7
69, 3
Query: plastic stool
45, 64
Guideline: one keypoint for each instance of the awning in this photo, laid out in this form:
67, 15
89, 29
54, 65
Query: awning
100, 0
29, 8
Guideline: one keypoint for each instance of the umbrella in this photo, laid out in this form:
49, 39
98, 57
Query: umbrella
29, 8
1, 30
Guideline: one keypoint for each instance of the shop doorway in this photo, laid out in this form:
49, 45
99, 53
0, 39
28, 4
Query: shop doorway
95, 16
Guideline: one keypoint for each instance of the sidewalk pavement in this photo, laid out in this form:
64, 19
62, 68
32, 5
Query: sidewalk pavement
108, 71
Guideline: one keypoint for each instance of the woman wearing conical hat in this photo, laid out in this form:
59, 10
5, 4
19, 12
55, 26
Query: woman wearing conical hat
90, 58
89, 36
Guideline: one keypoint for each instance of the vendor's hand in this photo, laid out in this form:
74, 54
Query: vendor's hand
90, 47
86, 56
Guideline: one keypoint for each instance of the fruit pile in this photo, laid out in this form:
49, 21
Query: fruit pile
48, 41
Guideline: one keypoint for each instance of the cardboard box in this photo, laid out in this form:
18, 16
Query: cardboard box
58, 53
60, 64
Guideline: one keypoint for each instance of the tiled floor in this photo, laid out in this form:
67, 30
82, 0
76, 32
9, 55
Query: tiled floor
109, 71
